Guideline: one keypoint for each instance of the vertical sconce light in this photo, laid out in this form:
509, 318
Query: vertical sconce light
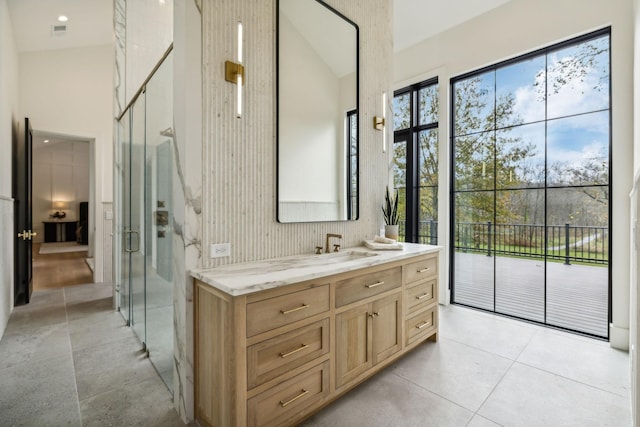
234, 73
379, 122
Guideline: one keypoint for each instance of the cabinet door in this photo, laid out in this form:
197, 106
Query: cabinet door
387, 323
353, 344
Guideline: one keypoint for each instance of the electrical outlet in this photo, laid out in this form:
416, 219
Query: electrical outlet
219, 250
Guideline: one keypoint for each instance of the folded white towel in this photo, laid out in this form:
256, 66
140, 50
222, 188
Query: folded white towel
380, 239
382, 246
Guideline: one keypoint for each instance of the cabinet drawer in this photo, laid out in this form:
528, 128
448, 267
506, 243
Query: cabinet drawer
421, 295
420, 270
367, 285
421, 325
270, 358
292, 397
278, 311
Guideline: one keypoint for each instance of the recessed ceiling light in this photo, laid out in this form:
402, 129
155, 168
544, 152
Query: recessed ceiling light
62, 18
46, 141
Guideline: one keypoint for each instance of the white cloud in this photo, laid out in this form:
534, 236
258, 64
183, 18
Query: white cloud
574, 97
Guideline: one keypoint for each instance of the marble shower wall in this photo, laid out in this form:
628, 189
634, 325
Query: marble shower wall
239, 171
187, 191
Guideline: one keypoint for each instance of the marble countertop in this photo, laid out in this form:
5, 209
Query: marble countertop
249, 277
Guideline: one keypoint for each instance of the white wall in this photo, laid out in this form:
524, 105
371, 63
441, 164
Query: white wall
635, 227
60, 173
8, 116
70, 92
518, 27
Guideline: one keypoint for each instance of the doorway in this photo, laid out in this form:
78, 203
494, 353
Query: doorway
63, 197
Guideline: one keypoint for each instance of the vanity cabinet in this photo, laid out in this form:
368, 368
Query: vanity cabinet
273, 357
367, 335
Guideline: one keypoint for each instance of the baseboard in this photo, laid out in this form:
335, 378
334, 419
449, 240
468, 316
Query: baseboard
618, 337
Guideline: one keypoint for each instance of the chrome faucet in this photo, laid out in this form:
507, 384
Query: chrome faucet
329, 235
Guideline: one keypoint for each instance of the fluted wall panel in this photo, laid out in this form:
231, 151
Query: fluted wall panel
239, 154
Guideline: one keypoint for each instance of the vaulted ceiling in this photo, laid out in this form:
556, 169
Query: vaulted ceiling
91, 21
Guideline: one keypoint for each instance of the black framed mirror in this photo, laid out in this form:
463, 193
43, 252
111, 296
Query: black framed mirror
317, 108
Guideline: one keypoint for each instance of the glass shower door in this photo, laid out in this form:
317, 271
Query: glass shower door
145, 205
137, 249
124, 220
159, 220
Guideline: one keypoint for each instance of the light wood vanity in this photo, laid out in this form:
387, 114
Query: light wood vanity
272, 357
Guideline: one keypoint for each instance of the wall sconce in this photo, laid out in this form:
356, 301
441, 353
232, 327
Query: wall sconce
59, 207
379, 122
234, 73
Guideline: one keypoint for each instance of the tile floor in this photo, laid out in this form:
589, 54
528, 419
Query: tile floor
487, 370
68, 359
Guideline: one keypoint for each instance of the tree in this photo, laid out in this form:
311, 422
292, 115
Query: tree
485, 159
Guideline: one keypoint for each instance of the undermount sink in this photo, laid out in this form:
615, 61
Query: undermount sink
337, 257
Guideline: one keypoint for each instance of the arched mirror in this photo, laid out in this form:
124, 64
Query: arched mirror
317, 102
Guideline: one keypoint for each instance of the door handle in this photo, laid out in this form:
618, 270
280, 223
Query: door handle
129, 249
27, 234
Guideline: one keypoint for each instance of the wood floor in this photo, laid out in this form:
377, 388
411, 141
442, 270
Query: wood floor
52, 271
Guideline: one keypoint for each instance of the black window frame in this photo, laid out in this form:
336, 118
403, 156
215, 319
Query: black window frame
410, 134
606, 31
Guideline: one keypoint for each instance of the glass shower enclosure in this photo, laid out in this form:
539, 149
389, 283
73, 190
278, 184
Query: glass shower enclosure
145, 231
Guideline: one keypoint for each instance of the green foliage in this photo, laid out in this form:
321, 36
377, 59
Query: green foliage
390, 208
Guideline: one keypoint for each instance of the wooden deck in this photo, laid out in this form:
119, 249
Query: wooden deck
577, 295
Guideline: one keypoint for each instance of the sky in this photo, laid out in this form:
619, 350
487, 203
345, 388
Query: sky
578, 118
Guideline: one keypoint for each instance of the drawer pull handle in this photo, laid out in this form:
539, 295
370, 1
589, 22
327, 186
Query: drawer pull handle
374, 285
303, 392
302, 347
374, 314
424, 270
302, 307
423, 296
423, 325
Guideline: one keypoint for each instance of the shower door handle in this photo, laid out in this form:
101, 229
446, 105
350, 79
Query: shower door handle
130, 232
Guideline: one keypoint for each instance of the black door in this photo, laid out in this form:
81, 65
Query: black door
22, 186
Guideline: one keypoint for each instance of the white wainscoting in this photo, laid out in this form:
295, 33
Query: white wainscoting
6, 260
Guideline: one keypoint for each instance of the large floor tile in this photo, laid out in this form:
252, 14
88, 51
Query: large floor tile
388, 400
98, 329
88, 292
581, 359
479, 421
485, 331
531, 397
39, 393
462, 374
34, 344
146, 403
25, 319
47, 297
118, 363
85, 309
